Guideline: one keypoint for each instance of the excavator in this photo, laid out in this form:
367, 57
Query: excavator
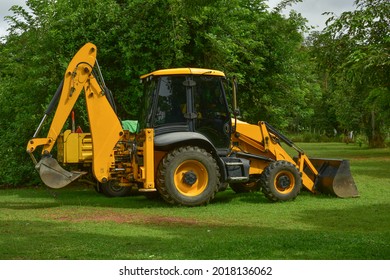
186, 146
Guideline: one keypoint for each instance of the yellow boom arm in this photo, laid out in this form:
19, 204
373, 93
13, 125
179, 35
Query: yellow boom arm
105, 126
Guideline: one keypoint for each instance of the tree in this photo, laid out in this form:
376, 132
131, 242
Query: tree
354, 51
134, 37
32, 63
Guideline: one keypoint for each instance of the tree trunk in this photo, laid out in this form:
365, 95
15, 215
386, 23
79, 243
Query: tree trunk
376, 138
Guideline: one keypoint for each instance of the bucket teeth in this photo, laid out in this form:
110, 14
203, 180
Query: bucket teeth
53, 175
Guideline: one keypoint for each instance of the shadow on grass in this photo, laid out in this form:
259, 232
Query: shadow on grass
20, 198
353, 232
25, 239
27, 205
81, 196
229, 196
377, 170
367, 218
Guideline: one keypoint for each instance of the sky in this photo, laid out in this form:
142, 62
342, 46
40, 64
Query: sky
5, 5
310, 9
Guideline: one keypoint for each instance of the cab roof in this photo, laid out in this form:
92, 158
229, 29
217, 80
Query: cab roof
184, 71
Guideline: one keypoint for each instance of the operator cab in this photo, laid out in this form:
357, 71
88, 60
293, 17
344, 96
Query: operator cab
187, 100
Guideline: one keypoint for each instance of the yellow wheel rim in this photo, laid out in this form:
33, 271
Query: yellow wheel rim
284, 182
191, 178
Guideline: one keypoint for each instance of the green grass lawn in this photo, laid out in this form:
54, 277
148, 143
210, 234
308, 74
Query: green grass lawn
78, 223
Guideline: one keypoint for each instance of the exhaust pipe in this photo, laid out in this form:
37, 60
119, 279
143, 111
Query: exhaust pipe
53, 175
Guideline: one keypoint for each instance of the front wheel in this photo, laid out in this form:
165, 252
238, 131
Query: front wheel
281, 181
188, 176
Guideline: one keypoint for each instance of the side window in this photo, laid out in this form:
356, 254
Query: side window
171, 101
213, 119
209, 99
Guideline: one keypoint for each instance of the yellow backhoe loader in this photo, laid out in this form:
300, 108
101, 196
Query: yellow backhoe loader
186, 145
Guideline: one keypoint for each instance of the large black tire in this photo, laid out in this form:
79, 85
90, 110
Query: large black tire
111, 189
188, 176
281, 181
251, 186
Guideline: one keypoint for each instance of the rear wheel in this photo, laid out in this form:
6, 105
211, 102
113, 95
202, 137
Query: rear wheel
112, 189
281, 181
188, 176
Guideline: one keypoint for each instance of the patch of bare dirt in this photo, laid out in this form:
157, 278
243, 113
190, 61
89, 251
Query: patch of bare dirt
120, 218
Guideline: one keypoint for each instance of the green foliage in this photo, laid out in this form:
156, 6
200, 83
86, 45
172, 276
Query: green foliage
337, 81
32, 63
313, 137
353, 53
241, 37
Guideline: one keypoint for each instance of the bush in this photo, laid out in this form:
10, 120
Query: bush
310, 137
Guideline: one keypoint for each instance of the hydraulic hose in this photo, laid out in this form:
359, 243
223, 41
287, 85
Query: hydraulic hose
52, 104
55, 99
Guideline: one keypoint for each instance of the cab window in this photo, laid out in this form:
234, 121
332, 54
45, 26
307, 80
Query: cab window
171, 101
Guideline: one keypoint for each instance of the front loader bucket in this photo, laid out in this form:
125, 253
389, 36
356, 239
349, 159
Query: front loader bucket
334, 177
53, 175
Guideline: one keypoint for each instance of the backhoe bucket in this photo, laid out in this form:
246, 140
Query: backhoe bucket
334, 177
53, 175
